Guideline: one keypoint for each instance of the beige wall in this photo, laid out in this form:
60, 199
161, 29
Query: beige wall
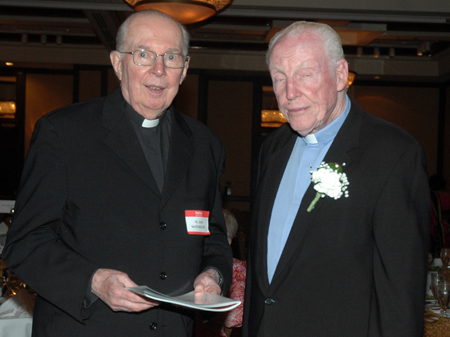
447, 140
44, 93
230, 116
414, 109
186, 100
90, 84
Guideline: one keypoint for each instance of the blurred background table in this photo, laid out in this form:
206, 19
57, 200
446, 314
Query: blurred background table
16, 305
435, 325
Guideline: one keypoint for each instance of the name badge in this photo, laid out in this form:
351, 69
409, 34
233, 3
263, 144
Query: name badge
197, 222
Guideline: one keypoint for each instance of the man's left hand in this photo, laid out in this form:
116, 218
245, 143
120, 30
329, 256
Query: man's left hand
207, 281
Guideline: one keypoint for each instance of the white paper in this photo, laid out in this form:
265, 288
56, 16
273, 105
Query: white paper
207, 301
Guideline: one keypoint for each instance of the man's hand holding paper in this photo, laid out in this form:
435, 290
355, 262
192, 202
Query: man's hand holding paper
207, 281
109, 285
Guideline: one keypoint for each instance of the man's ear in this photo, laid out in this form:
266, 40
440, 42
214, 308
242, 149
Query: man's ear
116, 61
341, 74
184, 72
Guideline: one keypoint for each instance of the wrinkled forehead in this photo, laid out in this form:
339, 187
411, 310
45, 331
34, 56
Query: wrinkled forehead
307, 45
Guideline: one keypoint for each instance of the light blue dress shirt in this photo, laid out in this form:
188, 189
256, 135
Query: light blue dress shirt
307, 154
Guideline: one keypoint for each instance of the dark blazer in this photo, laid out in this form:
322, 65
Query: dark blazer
88, 200
354, 266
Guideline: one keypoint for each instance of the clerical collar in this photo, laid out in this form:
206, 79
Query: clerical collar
150, 123
311, 138
140, 121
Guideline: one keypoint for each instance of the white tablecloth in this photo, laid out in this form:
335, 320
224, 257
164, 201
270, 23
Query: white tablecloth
16, 327
16, 315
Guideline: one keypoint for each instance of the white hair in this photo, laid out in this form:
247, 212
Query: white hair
331, 40
232, 224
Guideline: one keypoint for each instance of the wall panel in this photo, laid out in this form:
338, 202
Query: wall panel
446, 168
230, 116
90, 84
44, 93
407, 108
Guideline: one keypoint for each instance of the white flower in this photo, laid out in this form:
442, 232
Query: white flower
328, 180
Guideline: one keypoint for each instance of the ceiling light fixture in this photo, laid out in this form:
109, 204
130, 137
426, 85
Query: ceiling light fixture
7, 109
391, 52
419, 51
184, 11
426, 48
376, 52
359, 51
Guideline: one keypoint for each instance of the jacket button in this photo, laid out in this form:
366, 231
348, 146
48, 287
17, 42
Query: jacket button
153, 326
269, 301
162, 225
163, 276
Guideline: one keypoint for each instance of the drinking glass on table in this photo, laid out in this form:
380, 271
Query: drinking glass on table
435, 279
445, 256
443, 296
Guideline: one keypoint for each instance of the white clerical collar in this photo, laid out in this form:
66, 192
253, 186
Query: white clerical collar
311, 139
150, 123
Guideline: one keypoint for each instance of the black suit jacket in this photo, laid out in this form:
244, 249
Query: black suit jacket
88, 200
354, 266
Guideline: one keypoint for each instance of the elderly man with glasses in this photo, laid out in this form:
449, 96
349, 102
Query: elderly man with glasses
122, 191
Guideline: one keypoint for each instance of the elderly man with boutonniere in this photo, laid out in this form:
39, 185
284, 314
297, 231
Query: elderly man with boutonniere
339, 233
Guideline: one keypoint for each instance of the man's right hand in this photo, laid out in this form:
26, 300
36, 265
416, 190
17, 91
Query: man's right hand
109, 285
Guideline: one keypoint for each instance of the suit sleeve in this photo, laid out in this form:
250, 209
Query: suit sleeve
400, 229
250, 257
35, 250
217, 253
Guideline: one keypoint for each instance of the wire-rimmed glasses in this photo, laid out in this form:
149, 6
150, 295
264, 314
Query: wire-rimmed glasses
142, 57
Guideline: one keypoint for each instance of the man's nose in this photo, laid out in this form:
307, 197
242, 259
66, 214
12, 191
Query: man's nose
292, 92
158, 68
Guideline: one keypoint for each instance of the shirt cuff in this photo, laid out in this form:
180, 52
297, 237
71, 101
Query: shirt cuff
218, 272
89, 297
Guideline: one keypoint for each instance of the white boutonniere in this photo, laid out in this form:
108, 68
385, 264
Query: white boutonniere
330, 181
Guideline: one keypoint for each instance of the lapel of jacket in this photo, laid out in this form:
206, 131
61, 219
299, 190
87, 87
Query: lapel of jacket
180, 155
272, 174
122, 139
346, 139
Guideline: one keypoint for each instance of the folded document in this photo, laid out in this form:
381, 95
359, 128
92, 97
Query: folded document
206, 301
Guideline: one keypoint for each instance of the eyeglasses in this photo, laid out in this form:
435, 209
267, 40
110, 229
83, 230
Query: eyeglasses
144, 57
